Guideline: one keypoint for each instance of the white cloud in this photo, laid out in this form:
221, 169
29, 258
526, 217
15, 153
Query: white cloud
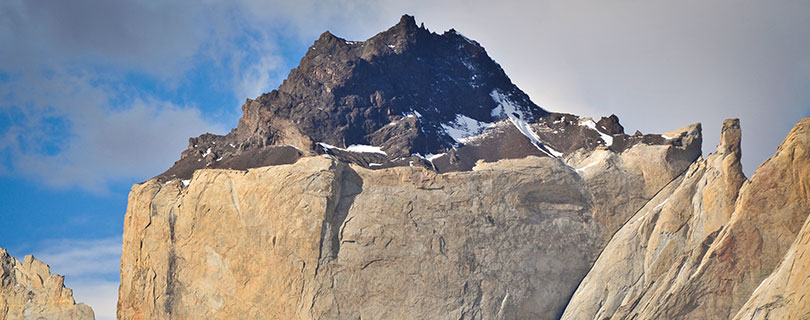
259, 77
73, 132
100, 295
90, 267
81, 257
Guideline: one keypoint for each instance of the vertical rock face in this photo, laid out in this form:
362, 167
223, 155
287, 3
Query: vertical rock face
28, 290
700, 248
785, 293
322, 239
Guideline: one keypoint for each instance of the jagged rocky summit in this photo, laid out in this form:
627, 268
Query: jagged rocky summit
405, 176
28, 290
406, 96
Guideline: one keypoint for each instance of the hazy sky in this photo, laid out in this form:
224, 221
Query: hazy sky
97, 95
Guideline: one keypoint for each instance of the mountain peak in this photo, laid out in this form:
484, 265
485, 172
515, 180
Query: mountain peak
406, 96
406, 22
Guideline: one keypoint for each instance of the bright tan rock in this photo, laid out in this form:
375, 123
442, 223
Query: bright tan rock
321, 239
785, 293
28, 290
699, 248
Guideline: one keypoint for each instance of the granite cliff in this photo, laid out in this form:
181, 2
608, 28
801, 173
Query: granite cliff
28, 290
405, 176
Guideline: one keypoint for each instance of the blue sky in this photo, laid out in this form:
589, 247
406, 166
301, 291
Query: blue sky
98, 95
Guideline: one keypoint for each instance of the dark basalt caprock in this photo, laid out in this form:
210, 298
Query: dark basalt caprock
406, 96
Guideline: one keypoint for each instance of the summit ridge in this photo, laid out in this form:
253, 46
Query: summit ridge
421, 98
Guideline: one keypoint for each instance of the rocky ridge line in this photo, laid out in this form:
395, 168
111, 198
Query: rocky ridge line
711, 244
404, 97
28, 290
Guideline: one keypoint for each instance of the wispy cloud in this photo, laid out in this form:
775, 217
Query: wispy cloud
90, 267
69, 131
81, 258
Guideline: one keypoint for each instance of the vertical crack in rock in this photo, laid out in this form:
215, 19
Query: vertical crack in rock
346, 185
171, 285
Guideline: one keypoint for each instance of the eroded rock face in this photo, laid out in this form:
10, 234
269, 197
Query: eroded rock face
322, 239
700, 248
28, 290
785, 292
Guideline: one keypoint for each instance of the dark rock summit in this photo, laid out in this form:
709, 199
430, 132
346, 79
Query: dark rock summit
406, 96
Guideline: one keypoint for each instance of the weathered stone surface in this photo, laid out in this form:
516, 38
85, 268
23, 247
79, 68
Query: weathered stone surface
322, 239
785, 294
28, 290
703, 244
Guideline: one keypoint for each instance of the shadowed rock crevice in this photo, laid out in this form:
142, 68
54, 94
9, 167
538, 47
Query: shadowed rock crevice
346, 186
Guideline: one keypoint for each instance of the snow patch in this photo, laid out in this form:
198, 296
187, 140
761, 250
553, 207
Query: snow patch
186, 182
365, 149
588, 166
661, 204
506, 108
648, 212
553, 152
207, 152
326, 147
641, 217
666, 137
358, 148
463, 128
595, 162
430, 157
463, 37
371, 164
608, 139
